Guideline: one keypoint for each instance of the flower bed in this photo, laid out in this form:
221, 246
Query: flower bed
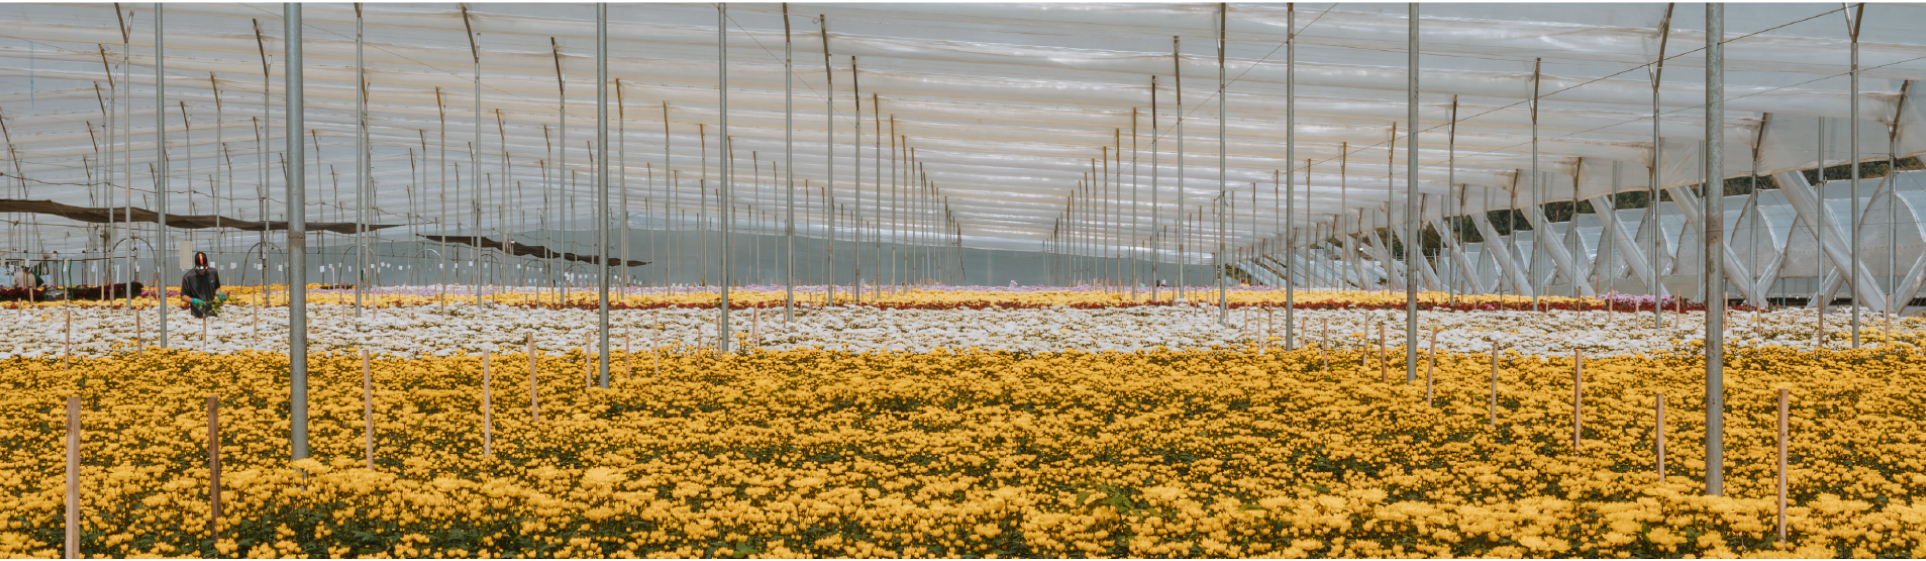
811, 453
67, 293
467, 329
943, 298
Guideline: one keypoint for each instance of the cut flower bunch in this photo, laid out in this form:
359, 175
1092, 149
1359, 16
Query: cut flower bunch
966, 453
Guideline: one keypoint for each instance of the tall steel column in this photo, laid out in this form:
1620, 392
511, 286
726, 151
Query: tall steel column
297, 237
1413, 249
722, 98
1217, 259
789, 168
1177, 84
1156, 172
1853, 121
602, 187
1532, 267
1713, 255
1290, 175
1657, 288
360, 165
160, 177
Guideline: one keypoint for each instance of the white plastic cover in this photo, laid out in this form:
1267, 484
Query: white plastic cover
1008, 107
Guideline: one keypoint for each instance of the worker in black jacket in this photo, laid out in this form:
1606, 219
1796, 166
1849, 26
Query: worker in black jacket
201, 284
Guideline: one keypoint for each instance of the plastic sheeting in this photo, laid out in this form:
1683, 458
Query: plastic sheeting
1008, 109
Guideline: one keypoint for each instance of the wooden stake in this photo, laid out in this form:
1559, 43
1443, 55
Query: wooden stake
1819, 336
488, 410
534, 389
256, 311
1270, 324
1659, 428
1578, 397
755, 326
1784, 404
1493, 414
588, 360
66, 354
214, 468
1430, 366
73, 477
1323, 340
367, 408
628, 355
1384, 367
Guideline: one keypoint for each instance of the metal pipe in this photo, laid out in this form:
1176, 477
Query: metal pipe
602, 188
722, 98
360, 164
1290, 175
1217, 260
160, 177
297, 237
1714, 260
1536, 225
1177, 74
789, 168
1413, 250
1853, 121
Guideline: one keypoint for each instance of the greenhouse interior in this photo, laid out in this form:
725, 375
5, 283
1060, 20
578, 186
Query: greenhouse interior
917, 279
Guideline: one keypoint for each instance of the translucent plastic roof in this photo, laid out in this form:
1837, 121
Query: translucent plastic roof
1008, 108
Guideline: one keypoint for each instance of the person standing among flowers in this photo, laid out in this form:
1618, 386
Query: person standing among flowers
201, 284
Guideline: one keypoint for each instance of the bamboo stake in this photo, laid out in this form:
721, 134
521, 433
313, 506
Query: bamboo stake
628, 355
488, 410
140, 336
73, 478
367, 408
534, 389
1784, 403
1430, 366
256, 311
655, 347
66, 353
214, 468
1659, 428
1578, 397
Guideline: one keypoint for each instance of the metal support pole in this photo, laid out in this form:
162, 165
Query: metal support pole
1532, 266
722, 98
1413, 249
602, 188
360, 165
1217, 260
1651, 208
789, 168
297, 237
160, 157
1714, 258
1853, 121
1290, 175
1177, 75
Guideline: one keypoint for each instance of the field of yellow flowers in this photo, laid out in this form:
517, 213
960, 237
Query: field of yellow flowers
1205, 453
